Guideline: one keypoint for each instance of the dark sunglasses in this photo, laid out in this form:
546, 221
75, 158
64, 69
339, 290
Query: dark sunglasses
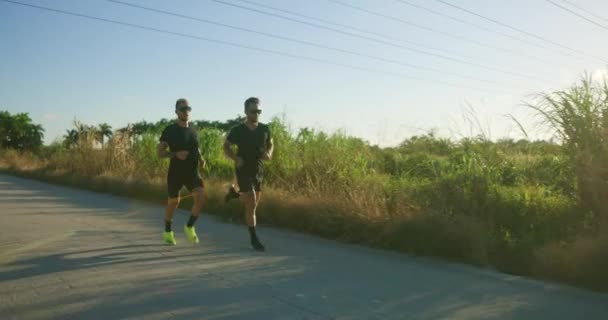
184, 109
258, 111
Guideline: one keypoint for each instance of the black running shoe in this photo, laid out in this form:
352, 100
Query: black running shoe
257, 245
232, 194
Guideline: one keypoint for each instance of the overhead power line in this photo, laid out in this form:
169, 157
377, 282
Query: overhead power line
480, 27
303, 42
577, 14
589, 12
366, 31
378, 41
242, 46
433, 30
520, 30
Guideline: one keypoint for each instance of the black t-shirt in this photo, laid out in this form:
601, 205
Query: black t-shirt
182, 139
251, 143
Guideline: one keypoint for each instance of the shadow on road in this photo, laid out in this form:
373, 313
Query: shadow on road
110, 273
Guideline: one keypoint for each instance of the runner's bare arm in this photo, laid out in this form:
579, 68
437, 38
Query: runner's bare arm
269, 148
228, 150
201, 161
162, 150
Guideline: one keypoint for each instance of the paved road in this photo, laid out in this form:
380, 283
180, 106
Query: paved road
69, 254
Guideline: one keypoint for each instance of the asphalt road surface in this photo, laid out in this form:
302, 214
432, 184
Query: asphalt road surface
70, 254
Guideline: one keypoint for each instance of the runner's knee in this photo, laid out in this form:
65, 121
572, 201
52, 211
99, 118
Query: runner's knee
198, 196
173, 202
248, 197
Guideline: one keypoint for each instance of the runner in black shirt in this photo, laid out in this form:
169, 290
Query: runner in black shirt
185, 156
254, 143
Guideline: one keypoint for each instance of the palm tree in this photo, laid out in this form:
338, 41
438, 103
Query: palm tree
104, 130
86, 133
35, 135
140, 128
71, 137
18, 132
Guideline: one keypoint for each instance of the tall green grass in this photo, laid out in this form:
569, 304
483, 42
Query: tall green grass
579, 118
520, 206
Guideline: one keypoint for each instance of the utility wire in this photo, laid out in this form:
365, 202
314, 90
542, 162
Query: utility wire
308, 43
380, 41
384, 36
521, 30
480, 27
585, 10
237, 45
577, 14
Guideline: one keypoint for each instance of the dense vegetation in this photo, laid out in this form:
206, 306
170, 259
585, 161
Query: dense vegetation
527, 207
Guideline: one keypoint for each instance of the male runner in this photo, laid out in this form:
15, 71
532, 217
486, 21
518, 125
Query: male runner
185, 156
254, 143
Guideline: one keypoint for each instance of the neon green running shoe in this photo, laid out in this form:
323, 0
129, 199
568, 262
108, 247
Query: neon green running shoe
169, 238
191, 234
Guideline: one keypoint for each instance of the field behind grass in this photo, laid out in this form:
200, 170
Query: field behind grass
532, 208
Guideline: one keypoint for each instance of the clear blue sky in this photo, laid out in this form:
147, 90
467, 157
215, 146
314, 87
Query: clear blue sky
60, 68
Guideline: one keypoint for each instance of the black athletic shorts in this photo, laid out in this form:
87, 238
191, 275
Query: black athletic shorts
175, 182
249, 179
